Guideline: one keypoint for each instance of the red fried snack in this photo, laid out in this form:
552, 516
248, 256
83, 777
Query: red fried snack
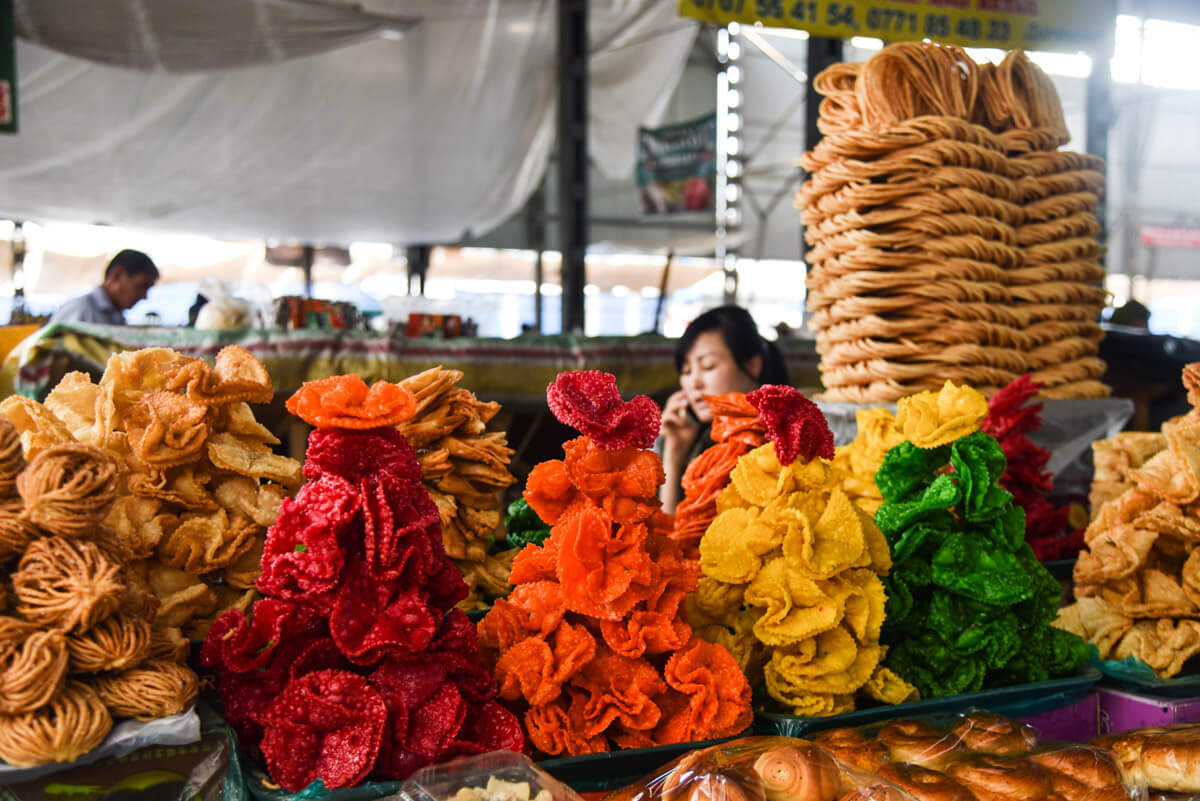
356, 663
584, 643
736, 430
794, 424
1010, 419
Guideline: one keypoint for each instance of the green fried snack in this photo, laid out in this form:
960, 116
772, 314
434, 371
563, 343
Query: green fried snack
523, 526
969, 606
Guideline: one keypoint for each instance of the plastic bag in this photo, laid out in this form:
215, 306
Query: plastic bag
1165, 759
956, 758
223, 311
497, 776
761, 769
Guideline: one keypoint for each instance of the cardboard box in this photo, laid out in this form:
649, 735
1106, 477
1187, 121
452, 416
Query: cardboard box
1074, 723
1122, 711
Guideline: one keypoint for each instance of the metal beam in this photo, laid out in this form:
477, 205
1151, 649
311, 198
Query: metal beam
573, 157
1099, 111
822, 52
535, 239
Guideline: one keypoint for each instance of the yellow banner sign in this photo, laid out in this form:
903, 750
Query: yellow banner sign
1063, 25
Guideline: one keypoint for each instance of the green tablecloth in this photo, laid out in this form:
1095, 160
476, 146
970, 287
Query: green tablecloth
514, 372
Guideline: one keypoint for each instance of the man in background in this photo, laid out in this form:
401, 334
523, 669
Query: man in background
127, 279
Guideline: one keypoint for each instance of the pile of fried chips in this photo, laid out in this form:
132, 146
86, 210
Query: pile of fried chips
792, 569
592, 645
199, 484
356, 664
465, 468
1137, 583
77, 644
859, 461
1114, 461
969, 605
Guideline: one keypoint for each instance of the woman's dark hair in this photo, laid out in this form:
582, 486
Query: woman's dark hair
740, 334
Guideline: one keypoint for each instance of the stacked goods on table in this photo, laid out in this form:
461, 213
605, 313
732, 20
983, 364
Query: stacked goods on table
736, 431
968, 603
1115, 460
792, 569
950, 240
198, 481
1010, 419
1137, 584
464, 469
974, 757
591, 646
76, 644
356, 663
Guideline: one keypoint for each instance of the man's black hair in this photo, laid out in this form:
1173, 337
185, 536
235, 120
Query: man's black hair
134, 262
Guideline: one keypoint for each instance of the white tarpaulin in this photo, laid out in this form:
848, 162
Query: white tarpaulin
311, 121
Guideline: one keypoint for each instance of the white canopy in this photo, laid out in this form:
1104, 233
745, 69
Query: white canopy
315, 120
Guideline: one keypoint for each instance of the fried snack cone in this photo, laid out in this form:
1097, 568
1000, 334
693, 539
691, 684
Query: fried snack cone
592, 641
354, 653
1137, 581
464, 470
74, 722
961, 559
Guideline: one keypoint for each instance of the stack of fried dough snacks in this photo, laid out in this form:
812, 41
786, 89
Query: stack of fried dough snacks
198, 482
1114, 461
1137, 584
77, 648
949, 238
465, 468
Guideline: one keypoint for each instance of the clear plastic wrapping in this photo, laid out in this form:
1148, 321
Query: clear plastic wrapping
970, 757
496, 776
1166, 759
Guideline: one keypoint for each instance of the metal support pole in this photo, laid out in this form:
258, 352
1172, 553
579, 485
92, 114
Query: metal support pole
1100, 117
822, 52
535, 238
418, 265
307, 257
573, 157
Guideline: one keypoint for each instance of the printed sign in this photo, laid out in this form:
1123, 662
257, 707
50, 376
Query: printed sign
676, 167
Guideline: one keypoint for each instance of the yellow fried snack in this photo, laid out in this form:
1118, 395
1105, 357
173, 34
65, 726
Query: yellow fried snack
238, 419
74, 722
181, 595
236, 377
73, 402
791, 578
66, 584
150, 691
888, 688
202, 542
67, 489
33, 666
139, 523
245, 571
247, 497
250, 457
932, 419
165, 429
39, 428
115, 643
859, 461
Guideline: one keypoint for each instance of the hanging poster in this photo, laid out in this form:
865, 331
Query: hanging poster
676, 167
8, 69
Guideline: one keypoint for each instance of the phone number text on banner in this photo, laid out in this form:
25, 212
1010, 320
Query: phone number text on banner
1065, 25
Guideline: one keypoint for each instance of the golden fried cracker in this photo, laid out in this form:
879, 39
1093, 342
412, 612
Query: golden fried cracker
250, 457
166, 429
38, 426
202, 543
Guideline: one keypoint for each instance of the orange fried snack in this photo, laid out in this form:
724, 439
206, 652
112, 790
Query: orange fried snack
593, 642
736, 430
345, 401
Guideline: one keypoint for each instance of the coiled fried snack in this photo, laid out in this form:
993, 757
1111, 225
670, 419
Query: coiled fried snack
73, 723
167, 644
15, 531
155, 689
66, 584
68, 489
12, 459
33, 666
118, 642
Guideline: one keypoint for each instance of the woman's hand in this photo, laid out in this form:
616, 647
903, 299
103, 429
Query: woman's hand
679, 428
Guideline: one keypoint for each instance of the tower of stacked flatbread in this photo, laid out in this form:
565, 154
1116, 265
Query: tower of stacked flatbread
465, 468
949, 239
1137, 585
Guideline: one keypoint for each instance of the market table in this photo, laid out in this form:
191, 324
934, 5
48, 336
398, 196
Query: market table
514, 372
